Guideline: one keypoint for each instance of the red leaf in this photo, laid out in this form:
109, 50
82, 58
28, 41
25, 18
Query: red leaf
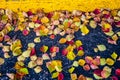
98, 72
114, 78
117, 72
33, 52
25, 32
70, 42
64, 52
60, 76
29, 13
49, 15
80, 48
96, 11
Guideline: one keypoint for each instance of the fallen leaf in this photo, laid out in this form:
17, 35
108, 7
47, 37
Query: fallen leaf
78, 43
81, 62
24, 71
115, 37
32, 64
114, 55
26, 53
37, 40
117, 72
102, 61
1, 61
82, 77
44, 48
55, 74
75, 64
60, 76
37, 69
71, 70
84, 29
71, 56
101, 47
62, 40
73, 76
80, 53
31, 45
109, 62
105, 74
45, 56
93, 24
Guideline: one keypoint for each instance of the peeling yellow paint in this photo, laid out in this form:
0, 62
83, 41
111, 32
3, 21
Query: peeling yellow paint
51, 5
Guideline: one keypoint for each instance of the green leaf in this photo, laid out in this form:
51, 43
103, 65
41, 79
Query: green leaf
114, 55
101, 47
109, 33
71, 69
97, 77
75, 64
24, 70
55, 74
118, 33
102, 61
50, 68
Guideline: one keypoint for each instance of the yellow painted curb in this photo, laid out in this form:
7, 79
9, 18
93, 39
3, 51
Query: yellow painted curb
52, 5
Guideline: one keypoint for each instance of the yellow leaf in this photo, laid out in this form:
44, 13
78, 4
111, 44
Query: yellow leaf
109, 62
71, 69
78, 43
107, 26
84, 30
81, 62
71, 56
115, 37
